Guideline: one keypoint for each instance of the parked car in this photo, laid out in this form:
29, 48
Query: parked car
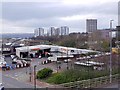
39, 56
20, 63
13, 56
67, 60
107, 53
6, 67
3, 63
24, 63
1, 86
58, 62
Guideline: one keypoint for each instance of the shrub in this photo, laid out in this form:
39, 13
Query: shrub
44, 73
73, 75
58, 78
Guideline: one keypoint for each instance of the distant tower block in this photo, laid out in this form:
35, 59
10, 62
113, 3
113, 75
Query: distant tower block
91, 25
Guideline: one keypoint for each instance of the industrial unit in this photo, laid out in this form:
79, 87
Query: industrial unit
42, 50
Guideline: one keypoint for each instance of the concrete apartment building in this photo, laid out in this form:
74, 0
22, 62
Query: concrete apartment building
57, 31
91, 25
52, 31
64, 30
39, 32
91, 29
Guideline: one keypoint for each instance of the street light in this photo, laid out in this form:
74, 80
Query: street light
67, 59
30, 72
35, 77
111, 50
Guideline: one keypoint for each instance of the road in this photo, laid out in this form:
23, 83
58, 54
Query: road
19, 78
9, 82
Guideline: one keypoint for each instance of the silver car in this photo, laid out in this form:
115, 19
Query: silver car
1, 86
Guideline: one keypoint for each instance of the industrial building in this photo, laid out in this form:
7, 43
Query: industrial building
43, 50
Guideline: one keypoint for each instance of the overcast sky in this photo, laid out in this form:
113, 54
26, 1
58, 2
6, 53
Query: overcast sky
24, 17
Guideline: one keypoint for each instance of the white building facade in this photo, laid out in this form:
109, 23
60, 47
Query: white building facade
39, 32
64, 30
52, 31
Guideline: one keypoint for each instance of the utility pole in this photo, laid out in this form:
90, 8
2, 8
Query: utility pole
111, 51
67, 59
57, 61
35, 77
30, 73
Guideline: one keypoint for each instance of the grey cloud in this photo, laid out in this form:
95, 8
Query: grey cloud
46, 14
22, 10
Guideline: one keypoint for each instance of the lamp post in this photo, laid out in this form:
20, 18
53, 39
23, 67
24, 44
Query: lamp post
30, 73
67, 59
57, 61
35, 77
111, 50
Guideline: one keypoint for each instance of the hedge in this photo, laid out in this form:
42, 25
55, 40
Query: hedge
44, 73
75, 75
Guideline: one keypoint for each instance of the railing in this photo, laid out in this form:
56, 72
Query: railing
91, 83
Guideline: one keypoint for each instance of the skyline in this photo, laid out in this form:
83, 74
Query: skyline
24, 17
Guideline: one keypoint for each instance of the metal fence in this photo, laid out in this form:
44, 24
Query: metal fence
91, 83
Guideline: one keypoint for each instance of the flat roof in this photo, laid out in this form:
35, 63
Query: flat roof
29, 48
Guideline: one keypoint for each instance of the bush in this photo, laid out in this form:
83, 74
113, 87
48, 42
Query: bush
73, 75
44, 73
57, 79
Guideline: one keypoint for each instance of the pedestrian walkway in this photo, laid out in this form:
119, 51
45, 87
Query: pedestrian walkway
23, 77
20, 76
40, 84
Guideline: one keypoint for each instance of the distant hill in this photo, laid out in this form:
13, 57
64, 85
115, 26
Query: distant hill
16, 35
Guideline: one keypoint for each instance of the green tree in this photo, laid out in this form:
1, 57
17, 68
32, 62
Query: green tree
105, 46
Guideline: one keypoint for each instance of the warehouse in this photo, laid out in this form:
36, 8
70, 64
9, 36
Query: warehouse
43, 50
31, 51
